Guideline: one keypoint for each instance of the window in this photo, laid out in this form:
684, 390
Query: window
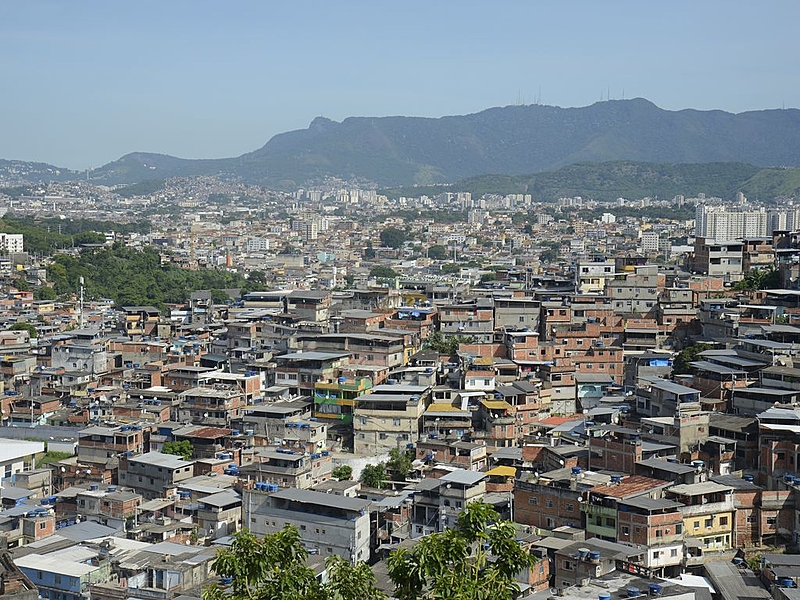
522, 319
723, 520
656, 554
396, 422
697, 524
626, 530
570, 508
674, 552
549, 504
42, 525
611, 522
751, 519
568, 566
551, 522
533, 501
302, 527
679, 528
771, 520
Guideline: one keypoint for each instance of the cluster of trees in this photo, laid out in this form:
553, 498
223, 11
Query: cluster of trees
382, 272
45, 236
479, 559
393, 237
397, 467
759, 279
137, 277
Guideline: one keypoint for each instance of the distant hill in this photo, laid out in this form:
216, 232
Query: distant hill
14, 172
514, 140
628, 179
523, 139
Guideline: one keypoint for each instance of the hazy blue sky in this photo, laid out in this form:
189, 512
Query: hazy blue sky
82, 83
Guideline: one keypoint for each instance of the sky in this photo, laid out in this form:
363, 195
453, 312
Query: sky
84, 82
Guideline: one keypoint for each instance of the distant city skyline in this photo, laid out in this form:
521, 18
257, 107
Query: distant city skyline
84, 83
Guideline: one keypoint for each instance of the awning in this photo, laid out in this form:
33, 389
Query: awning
502, 471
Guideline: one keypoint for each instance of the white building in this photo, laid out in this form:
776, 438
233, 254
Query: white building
17, 456
650, 242
715, 221
11, 243
257, 244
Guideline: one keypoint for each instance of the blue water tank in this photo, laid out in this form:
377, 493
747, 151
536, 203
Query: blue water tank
633, 592
576, 470
655, 589
749, 478
593, 555
604, 596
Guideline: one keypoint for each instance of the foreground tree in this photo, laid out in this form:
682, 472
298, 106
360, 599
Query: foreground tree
478, 560
274, 568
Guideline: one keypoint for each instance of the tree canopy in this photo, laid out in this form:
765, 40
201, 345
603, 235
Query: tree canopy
135, 277
681, 365
382, 272
181, 448
342, 472
477, 560
374, 476
274, 568
437, 252
447, 345
25, 327
758, 279
399, 464
393, 237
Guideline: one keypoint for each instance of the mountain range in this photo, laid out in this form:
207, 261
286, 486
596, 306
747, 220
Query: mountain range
509, 141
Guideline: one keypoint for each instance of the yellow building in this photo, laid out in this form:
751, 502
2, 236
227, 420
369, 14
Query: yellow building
708, 513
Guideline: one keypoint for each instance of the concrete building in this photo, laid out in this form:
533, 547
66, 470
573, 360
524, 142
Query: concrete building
17, 456
718, 258
153, 474
328, 524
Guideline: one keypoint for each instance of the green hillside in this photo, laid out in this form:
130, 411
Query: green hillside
627, 179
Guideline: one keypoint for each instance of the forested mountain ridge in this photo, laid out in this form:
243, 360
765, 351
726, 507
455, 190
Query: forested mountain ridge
512, 140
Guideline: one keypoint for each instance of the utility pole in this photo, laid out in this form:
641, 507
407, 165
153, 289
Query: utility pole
80, 316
